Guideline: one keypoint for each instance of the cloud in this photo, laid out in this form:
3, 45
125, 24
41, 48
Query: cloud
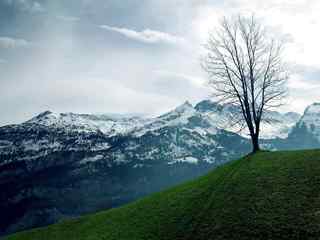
195, 80
8, 42
36, 7
146, 36
27, 5
165, 65
298, 82
2, 61
68, 18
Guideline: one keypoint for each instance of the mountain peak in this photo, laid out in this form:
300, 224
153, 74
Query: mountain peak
43, 114
187, 103
313, 108
207, 106
310, 119
46, 117
186, 106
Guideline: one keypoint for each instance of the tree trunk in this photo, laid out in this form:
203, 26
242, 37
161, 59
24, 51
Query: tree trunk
255, 143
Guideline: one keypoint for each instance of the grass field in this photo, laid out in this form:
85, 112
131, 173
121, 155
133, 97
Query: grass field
269, 195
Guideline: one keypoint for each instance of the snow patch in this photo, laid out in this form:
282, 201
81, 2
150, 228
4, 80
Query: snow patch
91, 159
189, 159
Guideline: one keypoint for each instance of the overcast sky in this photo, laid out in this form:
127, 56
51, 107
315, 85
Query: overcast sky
134, 56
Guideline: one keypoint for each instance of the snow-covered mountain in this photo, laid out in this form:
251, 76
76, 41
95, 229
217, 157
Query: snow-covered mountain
51, 132
178, 117
311, 119
306, 132
107, 124
277, 126
59, 165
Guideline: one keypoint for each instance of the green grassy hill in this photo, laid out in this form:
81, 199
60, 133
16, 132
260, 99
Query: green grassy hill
270, 195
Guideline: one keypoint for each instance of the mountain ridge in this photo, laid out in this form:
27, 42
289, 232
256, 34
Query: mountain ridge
109, 124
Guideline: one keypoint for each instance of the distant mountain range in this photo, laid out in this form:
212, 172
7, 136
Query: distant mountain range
56, 166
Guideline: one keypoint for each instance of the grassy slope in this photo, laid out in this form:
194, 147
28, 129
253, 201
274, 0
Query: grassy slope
265, 196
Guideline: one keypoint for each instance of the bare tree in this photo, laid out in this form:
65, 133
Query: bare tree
246, 70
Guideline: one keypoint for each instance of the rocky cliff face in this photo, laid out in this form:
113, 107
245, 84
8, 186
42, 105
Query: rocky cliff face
306, 132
